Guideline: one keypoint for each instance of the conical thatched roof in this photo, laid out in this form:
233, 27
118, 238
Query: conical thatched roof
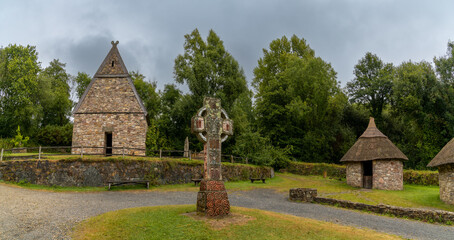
445, 156
373, 145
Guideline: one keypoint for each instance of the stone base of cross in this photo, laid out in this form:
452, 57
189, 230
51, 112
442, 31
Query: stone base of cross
212, 126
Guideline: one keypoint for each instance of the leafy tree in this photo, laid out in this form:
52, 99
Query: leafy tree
372, 85
147, 92
445, 65
54, 94
419, 112
208, 70
19, 98
297, 97
82, 80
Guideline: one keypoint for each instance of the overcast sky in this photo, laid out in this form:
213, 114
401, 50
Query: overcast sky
151, 33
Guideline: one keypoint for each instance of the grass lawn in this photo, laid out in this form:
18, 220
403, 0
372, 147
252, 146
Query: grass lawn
167, 222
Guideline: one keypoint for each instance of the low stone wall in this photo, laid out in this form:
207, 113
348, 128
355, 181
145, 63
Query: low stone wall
86, 172
303, 194
440, 216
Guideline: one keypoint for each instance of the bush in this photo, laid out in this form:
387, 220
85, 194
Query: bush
421, 177
303, 168
52, 135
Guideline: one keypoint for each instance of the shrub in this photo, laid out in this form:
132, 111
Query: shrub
421, 177
52, 135
303, 168
19, 140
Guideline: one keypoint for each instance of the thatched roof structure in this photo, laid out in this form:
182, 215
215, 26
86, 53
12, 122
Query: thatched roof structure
445, 156
373, 145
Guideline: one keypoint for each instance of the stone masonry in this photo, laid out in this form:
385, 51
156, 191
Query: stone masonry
446, 182
355, 174
388, 175
110, 105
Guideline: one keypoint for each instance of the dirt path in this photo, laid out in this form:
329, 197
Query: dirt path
29, 214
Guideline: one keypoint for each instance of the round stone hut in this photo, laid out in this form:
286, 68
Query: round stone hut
374, 161
444, 160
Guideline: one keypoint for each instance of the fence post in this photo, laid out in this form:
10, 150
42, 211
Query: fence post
82, 152
190, 155
231, 158
123, 152
1, 157
247, 161
39, 154
160, 153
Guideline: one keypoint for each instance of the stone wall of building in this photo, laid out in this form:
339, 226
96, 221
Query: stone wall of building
446, 182
107, 95
388, 175
128, 130
85, 172
354, 174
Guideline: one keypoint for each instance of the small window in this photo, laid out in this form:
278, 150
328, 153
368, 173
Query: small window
113, 63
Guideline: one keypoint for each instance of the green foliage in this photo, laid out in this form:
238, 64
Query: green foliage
54, 135
426, 178
19, 140
297, 98
147, 93
54, 94
82, 80
332, 170
445, 65
6, 143
19, 91
372, 84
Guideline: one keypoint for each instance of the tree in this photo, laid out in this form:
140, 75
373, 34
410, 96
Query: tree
372, 84
208, 70
445, 65
54, 94
82, 80
147, 92
419, 107
19, 98
297, 97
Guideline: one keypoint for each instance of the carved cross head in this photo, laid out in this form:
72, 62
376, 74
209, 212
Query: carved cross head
211, 121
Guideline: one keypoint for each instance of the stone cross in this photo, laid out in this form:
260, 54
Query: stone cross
212, 126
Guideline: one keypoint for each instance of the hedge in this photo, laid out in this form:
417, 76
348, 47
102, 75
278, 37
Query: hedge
339, 171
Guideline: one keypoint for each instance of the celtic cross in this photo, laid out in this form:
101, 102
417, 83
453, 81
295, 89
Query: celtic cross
212, 126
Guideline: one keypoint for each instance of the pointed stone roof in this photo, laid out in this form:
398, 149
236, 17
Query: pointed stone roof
445, 156
112, 67
373, 145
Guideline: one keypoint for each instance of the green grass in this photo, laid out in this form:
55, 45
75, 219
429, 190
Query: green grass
167, 222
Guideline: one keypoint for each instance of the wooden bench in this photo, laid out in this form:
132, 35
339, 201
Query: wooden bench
118, 183
257, 179
196, 181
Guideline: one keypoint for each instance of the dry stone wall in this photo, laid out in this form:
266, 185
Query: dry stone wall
354, 174
78, 172
388, 175
446, 182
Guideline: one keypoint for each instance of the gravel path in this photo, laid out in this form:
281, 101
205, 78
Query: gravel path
28, 214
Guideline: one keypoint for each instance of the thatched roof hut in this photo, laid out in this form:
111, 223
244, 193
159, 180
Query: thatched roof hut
374, 161
445, 156
444, 161
373, 145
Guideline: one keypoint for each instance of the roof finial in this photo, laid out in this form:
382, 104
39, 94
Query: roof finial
114, 44
371, 123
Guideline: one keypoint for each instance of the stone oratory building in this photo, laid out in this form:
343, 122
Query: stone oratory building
444, 160
110, 115
374, 161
